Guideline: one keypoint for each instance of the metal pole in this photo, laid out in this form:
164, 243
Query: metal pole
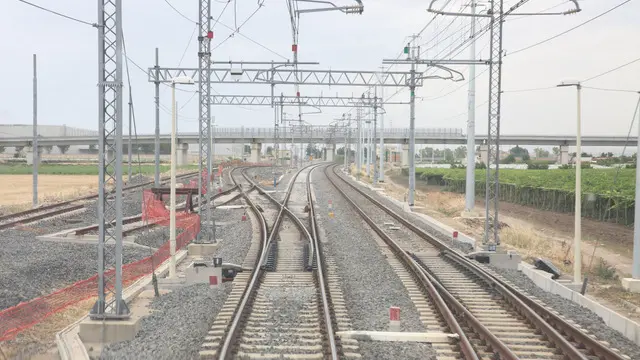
359, 144
36, 155
470, 195
129, 150
635, 272
172, 199
367, 127
412, 135
156, 150
383, 152
577, 262
375, 133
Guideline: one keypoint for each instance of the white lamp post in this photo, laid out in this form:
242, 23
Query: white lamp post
172, 200
577, 252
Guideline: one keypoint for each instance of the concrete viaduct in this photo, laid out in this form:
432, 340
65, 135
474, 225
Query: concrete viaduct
332, 135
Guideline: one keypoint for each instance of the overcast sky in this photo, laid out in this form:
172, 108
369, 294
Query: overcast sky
67, 61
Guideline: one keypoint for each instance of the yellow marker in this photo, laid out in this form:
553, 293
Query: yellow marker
331, 214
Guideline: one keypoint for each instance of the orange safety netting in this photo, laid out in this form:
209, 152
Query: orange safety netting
24, 315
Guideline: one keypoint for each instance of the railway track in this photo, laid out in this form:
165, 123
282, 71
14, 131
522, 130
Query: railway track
500, 321
284, 310
47, 211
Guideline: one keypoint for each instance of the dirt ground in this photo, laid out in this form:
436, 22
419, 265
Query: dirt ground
16, 190
539, 233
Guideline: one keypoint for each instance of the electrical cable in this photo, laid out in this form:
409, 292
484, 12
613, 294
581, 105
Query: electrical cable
610, 71
614, 90
260, 5
59, 14
254, 41
195, 28
569, 30
179, 13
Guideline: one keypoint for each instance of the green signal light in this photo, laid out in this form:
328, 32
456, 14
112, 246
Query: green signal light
406, 49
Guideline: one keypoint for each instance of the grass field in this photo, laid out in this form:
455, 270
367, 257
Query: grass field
596, 181
43, 169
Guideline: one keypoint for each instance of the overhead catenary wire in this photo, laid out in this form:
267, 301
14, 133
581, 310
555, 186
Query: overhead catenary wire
568, 30
237, 30
60, 14
179, 12
611, 70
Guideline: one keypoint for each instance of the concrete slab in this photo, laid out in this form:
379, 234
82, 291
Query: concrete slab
430, 337
631, 284
504, 260
90, 239
201, 249
109, 331
229, 207
289, 235
471, 215
205, 274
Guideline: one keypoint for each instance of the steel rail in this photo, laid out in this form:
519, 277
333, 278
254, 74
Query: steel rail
313, 251
234, 328
68, 202
40, 216
135, 218
525, 306
320, 270
465, 345
290, 214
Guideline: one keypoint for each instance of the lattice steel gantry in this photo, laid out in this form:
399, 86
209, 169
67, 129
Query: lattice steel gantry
205, 34
110, 304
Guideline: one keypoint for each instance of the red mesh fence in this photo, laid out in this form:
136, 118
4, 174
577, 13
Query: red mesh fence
24, 315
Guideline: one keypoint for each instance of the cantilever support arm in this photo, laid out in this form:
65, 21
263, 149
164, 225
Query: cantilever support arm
511, 10
356, 9
451, 72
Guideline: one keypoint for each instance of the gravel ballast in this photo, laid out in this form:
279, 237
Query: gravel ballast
177, 326
369, 284
31, 268
181, 319
583, 316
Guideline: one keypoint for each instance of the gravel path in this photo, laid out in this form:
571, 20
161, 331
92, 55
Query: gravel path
583, 316
177, 326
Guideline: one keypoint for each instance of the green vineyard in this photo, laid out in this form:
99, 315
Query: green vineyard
552, 190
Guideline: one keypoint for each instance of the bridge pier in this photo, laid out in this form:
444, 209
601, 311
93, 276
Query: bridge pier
564, 154
405, 155
111, 155
32, 157
182, 154
484, 154
255, 152
330, 149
